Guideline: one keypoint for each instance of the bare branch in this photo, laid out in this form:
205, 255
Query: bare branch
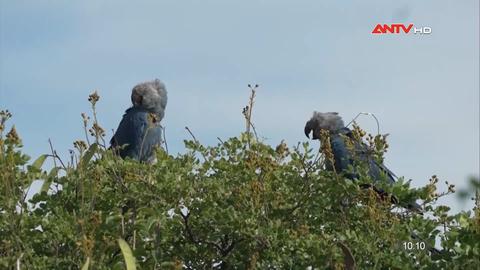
224, 247
165, 139
55, 156
191, 134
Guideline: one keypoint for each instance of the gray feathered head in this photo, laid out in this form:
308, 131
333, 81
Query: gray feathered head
151, 96
330, 121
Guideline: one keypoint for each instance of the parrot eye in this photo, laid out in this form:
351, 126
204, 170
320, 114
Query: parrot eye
138, 99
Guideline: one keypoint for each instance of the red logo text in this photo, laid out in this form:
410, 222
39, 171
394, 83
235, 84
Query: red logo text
399, 28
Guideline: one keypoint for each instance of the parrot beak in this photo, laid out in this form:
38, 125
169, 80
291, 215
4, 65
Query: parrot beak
308, 129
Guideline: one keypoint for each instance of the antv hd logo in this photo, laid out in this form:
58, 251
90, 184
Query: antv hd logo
400, 28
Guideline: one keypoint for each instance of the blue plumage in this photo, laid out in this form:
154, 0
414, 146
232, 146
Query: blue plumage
344, 156
137, 135
139, 131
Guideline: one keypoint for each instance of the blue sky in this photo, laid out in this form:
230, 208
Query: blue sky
306, 55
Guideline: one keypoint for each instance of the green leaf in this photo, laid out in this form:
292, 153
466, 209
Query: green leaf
89, 154
48, 181
127, 254
45, 185
463, 221
39, 162
87, 264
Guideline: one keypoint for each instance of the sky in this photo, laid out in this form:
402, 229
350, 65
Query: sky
305, 55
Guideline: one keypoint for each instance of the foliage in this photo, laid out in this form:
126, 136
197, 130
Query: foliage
240, 204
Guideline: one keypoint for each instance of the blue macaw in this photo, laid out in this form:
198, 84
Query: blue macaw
139, 132
344, 157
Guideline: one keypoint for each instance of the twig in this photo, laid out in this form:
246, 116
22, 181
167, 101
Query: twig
97, 134
247, 112
191, 134
477, 198
165, 140
254, 131
85, 127
53, 152
123, 226
318, 156
224, 248
250, 107
349, 260
143, 141
18, 261
72, 158
188, 230
134, 239
24, 198
55, 156
196, 141
366, 113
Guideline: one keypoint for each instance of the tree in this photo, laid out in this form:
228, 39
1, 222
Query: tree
241, 204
